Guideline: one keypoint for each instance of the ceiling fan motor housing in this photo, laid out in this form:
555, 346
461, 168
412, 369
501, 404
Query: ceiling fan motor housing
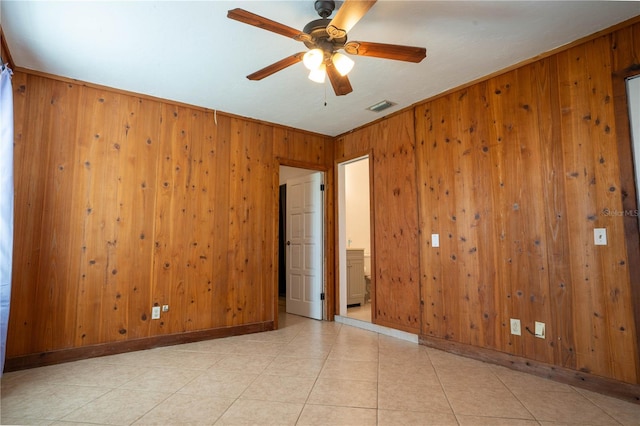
325, 8
320, 39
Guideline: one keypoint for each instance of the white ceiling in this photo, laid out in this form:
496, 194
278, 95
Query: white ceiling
189, 51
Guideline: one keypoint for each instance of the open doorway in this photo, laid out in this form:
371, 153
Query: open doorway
354, 245
633, 94
630, 171
301, 284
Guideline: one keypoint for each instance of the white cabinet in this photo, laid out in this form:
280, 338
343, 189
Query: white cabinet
355, 277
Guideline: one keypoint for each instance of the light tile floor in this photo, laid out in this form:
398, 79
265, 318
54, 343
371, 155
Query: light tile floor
306, 373
362, 313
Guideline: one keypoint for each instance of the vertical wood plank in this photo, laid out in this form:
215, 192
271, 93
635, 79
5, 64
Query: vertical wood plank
588, 321
492, 314
99, 146
222, 284
465, 213
616, 295
248, 223
136, 191
58, 279
429, 138
178, 258
205, 239
30, 154
557, 213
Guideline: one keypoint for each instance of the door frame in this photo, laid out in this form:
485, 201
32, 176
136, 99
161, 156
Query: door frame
340, 255
328, 235
629, 188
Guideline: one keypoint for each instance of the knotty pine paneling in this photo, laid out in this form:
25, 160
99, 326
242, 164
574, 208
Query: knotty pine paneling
514, 173
394, 202
293, 147
52, 109
605, 337
558, 250
125, 202
249, 251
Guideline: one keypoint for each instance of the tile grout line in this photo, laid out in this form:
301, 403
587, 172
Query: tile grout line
493, 371
252, 382
444, 391
324, 363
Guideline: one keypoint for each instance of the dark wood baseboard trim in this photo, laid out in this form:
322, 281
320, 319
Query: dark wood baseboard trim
621, 390
75, 354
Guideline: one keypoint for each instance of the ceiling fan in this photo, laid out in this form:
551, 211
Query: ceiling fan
325, 37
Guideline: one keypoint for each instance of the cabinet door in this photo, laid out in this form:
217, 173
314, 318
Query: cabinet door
355, 277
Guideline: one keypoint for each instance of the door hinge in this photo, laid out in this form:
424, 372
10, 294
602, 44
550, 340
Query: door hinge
322, 187
321, 296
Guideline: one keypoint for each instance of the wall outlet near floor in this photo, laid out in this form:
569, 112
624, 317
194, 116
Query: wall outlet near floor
155, 312
540, 329
515, 327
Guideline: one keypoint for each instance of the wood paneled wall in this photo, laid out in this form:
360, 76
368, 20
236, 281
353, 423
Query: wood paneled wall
125, 202
392, 150
514, 173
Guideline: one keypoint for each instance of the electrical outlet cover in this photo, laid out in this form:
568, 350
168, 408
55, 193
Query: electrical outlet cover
540, 329
155, 312
515, 327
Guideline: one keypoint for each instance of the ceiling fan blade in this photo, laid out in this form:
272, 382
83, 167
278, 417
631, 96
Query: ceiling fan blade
341, 84
347, 16
242, 15
386, 51
275, 67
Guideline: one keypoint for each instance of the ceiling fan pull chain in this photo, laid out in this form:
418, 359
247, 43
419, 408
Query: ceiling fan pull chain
325, 93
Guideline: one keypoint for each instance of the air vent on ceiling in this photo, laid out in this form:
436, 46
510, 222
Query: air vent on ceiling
382, 105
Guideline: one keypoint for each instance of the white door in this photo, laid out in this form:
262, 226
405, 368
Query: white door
304, 246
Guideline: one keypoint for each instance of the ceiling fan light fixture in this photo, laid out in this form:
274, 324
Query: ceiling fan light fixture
318, 75
343, 63
324, 37
313, 59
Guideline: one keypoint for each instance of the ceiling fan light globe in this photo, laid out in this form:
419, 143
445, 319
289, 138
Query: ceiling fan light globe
318, 75
313, 59
343, 63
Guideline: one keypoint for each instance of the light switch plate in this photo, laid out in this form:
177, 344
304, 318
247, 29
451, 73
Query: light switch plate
600, 236
540, 332
435, 240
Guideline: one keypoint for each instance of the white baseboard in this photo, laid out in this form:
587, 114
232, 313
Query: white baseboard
392, 332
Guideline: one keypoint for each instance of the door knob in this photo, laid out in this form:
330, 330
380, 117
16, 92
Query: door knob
288, 243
